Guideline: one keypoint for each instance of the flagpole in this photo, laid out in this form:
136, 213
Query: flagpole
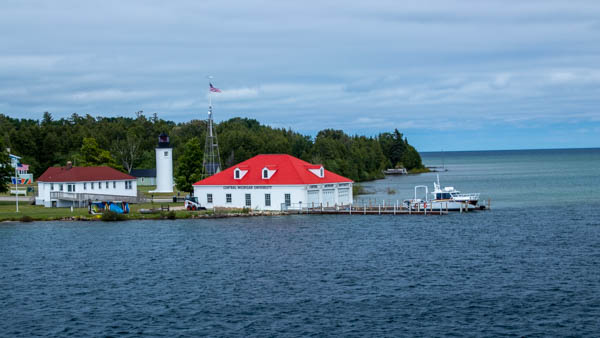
17, 187
209, 95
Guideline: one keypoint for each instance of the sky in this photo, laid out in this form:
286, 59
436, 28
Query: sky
450, 75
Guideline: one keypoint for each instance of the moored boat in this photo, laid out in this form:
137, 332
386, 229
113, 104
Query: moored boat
447, 198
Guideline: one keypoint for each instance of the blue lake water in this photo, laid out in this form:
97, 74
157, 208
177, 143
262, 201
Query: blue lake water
529, 267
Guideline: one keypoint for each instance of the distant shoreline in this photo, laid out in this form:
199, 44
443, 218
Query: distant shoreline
504, 150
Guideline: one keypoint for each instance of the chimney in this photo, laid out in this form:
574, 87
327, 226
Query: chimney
69, 165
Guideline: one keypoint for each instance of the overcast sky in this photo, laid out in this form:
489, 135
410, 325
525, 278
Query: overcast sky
452, 75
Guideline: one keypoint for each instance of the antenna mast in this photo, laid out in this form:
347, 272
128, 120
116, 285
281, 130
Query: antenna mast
211, 164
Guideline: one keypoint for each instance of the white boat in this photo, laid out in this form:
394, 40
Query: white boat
446, 198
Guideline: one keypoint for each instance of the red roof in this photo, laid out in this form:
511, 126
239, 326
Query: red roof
80, 174
290, 171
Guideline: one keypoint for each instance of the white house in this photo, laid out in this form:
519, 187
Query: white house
75, 186
274, 182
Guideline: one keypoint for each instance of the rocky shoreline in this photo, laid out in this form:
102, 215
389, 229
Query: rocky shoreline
161, 216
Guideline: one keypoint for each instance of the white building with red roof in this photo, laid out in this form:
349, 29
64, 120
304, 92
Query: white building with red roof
75, 186
274, 182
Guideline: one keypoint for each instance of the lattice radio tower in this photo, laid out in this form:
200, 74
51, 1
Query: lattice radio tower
211, 164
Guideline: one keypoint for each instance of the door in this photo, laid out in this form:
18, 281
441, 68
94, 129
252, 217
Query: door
313, 197
344, 196
329, 197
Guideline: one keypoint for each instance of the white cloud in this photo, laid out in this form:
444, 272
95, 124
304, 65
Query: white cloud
310, 64
108, 95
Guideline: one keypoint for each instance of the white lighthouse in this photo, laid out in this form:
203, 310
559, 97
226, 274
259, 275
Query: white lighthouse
164, 165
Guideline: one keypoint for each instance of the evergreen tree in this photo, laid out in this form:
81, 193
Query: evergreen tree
89, 141
190, 165
5, 168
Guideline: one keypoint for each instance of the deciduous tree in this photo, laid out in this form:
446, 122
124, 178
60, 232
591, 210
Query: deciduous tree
190, 165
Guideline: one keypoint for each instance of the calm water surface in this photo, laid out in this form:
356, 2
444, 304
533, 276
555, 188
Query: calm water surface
529, 267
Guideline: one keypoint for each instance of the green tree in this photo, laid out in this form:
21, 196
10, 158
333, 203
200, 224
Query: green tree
90, 154
5, 168
128, 151
190, 165
412, 159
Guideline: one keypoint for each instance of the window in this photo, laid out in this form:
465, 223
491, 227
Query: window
69, 187
60, 187
237, 174
92, 185
99, 185
106, 185
114, 184
209, 198
322, 173
248, 200
288, 200
74, 187
51, 186
265, 173
228, 198
166, 153
267, 200
128, 185
84, 186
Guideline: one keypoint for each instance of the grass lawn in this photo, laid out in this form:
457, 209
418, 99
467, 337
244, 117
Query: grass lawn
7, 211
147, 188
38, 212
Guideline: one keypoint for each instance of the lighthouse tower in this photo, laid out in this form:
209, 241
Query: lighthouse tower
164, 165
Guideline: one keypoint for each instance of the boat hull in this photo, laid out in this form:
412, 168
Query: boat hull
444, 205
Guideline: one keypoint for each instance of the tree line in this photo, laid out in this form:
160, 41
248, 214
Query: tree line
126, 143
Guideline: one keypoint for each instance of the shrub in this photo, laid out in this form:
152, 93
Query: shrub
26, 218
168, 215
111, 216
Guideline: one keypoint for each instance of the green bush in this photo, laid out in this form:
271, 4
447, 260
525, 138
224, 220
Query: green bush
26, 219
169, 215
111, 216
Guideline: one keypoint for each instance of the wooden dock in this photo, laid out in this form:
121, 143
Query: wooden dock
381, 208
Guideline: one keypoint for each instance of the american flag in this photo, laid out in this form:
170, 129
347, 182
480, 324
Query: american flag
213, 89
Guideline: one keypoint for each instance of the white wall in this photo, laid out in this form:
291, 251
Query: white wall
164, 170
118, 189
298, 193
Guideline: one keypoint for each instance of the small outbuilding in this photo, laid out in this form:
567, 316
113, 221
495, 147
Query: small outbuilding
145, 177
274, 182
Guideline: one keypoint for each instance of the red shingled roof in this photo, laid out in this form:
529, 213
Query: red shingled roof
290, 170
81, 174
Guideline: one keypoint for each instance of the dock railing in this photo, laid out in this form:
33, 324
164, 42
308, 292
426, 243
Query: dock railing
83, 198
381, 207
